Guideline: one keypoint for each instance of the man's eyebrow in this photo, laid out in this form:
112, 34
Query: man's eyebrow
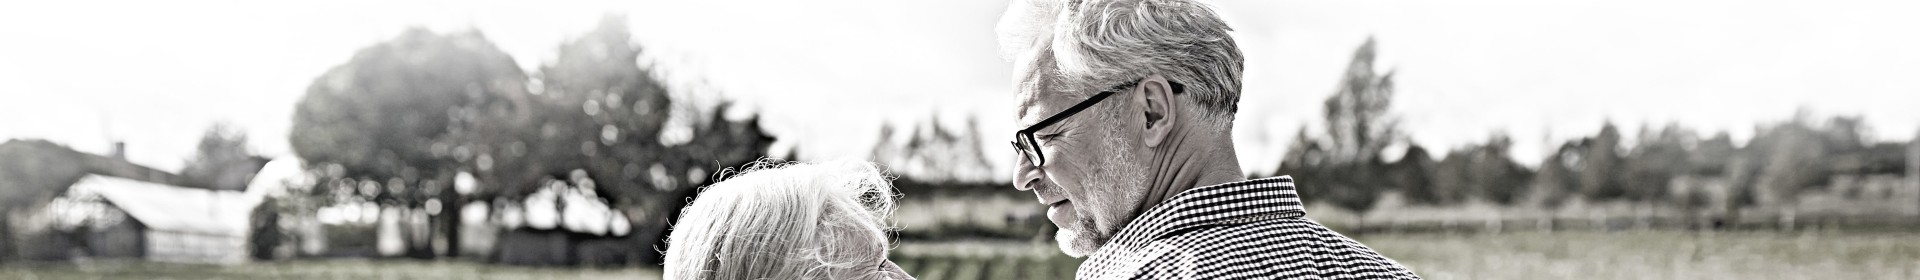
1028, 123
1059, 126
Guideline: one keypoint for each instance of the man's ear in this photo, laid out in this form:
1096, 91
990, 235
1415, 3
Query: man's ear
1157, 96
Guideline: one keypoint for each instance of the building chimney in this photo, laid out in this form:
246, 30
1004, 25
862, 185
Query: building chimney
119, 150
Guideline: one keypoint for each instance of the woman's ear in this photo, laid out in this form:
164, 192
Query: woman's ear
1156, 94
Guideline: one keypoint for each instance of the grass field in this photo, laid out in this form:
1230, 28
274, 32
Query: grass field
1558, 255
311, 269
1657, 255
1526, 255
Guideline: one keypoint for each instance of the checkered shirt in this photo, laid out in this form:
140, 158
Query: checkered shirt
1253, 229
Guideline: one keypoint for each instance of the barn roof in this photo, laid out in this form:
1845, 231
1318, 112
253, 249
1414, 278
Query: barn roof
276, 176
171, 208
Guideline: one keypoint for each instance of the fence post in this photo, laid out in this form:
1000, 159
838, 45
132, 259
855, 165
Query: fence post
1913, 170
6, 235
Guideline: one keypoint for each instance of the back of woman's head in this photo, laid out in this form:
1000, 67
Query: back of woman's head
777, 220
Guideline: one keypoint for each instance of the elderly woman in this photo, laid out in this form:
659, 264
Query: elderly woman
787, 221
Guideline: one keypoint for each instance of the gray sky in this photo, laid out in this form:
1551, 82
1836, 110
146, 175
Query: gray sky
828, 74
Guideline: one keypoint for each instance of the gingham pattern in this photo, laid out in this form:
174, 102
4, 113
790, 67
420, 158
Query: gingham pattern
1252, 229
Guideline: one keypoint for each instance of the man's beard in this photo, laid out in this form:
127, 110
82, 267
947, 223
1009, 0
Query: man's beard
1119, 175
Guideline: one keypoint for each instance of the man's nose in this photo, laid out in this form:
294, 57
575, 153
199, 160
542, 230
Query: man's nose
1025, 174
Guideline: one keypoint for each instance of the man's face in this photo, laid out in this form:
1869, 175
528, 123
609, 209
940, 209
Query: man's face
1092, 178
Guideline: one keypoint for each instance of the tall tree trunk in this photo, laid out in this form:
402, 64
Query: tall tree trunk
449, 224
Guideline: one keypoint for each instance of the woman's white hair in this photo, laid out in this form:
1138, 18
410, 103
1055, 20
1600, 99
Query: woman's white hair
785, 220
1096, 44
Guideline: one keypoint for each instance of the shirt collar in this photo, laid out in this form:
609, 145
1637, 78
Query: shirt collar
1229, 203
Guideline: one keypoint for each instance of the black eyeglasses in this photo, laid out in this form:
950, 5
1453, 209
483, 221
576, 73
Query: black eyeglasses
1024, 142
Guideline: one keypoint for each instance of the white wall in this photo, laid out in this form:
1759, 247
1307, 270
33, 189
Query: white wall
187, 247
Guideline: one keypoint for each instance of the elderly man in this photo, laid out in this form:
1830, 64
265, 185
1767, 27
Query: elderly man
1126, 109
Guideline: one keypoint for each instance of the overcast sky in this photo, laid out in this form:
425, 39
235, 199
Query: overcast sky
828, 74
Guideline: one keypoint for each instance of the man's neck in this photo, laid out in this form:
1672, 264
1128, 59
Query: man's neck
1190, 161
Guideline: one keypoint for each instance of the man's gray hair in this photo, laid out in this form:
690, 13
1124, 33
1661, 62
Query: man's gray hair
1097, 44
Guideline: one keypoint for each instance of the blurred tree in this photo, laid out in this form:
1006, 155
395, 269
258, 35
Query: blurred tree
1306, 158
1710, 157
1358, 122
1785, 160
598, 110
1851, 152
222, 160
1483, 170
264, 234
1742, 173
1793, 157
933, 153
1496, 175
605, 114
1600, 165
1654, 161
1452, 179
722, 142
32, 173
1556, 180
394, 116
1304, 152
1844, 134
1348, 172
1412, 175
388, 112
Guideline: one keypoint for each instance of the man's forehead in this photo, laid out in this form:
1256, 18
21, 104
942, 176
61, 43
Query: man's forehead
1035, 103
1035, 86
1033, 107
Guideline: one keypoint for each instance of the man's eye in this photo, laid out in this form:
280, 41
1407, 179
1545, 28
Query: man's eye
1046, 137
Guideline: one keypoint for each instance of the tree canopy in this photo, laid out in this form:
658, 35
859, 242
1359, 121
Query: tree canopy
390, 112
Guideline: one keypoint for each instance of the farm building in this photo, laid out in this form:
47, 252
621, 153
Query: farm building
57, 203
165, 222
